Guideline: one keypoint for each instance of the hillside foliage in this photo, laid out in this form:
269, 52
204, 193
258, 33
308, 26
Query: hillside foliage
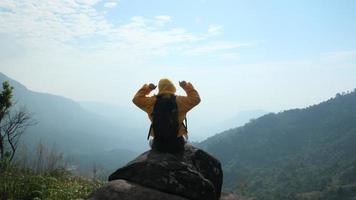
17, 183
305, 153
43, 175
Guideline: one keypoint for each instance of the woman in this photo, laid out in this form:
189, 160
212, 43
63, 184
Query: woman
167, 89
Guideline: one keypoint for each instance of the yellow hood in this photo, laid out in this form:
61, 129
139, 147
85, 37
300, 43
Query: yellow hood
165, 86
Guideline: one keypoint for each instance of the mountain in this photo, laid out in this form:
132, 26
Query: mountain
80, 134
123, 115
116, 114
240, 119
73, 128
104, 162
307, 153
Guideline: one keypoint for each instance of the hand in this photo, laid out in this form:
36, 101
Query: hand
182, 83
152, 86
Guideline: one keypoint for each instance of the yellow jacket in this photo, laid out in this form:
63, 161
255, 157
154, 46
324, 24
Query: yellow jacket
184, 103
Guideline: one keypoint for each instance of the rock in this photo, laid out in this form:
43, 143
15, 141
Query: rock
193, 174
124, 190
228, 196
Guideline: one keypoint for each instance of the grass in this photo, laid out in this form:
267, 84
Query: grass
17, 184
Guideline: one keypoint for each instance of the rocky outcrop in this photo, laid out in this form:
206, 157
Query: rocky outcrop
192, 174
229, 196
124, 190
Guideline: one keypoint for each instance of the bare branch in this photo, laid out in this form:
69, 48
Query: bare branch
14, 126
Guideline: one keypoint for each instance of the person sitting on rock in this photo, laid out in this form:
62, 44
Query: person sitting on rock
167, 111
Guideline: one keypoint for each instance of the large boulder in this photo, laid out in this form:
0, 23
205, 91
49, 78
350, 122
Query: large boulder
192, 174
124, 190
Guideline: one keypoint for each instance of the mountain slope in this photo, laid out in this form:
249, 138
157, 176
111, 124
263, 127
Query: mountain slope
288, 154
64, 122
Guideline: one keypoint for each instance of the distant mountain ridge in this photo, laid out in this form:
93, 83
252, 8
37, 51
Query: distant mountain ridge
67, 124
86, 138
292, 154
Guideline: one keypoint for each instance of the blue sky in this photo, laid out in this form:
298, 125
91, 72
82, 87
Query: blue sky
284, 29
240, 55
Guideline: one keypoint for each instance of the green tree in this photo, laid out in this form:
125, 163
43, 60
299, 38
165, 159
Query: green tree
12, 123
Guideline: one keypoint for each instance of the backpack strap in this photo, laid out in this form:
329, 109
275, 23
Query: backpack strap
149, 131
185, 123
151, 126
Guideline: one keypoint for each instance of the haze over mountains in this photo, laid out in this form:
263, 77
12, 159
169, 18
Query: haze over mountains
66, 123
304, 153
88, 130
307, 153
82, 135
94, 126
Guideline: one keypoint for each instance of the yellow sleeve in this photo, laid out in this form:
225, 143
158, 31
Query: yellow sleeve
192, 99
142, 100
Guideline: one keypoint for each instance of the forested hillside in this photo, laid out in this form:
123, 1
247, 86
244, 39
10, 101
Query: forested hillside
68, 125
305, 153
84, 137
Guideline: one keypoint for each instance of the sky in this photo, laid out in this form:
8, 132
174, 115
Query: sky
240, 55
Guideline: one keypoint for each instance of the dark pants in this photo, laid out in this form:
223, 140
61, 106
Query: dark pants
174, 146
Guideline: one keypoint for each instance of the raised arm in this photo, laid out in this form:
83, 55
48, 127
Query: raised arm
141, 98
192, 99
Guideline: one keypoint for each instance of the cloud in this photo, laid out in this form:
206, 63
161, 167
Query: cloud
165, 18
52, 21
88, 2
215, 47
77, 26
110, 4
162, 20
214, 29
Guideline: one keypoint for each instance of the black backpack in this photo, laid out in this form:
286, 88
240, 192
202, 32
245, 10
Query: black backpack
165, 124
